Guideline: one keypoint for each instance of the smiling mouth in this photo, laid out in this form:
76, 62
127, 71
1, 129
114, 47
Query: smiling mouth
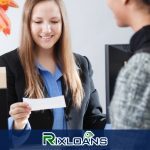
46, 37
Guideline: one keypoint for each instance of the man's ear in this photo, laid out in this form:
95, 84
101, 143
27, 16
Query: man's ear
125, 1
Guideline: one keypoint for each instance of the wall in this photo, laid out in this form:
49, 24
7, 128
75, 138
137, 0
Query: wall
92, 26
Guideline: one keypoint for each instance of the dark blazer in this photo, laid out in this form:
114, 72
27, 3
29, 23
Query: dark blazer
88, 117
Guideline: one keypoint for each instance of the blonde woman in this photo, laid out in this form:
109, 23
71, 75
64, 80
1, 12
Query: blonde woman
44, 66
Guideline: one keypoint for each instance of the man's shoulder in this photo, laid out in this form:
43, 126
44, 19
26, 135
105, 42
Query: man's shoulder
135, 70
140, 61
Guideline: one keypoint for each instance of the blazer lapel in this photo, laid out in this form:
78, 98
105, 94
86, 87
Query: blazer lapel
67, 94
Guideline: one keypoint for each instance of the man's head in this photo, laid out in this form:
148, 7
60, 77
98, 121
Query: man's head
133, 13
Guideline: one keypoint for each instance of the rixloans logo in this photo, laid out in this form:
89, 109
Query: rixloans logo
88, 139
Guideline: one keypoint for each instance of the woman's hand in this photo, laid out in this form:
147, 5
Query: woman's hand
20, 112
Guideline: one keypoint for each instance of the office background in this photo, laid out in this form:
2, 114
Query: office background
92, 26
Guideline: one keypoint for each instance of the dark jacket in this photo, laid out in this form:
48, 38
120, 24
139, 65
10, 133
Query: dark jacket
130, 106
88, 117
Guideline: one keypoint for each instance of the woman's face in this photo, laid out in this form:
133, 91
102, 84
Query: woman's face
46, 25
119, 11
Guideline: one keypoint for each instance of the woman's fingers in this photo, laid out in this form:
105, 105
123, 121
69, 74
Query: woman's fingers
21, 116
19, 104
19, 110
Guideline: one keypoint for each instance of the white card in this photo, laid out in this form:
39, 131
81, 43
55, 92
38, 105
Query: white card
46, 103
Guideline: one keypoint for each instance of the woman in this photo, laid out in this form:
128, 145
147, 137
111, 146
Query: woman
130, 107
44, 66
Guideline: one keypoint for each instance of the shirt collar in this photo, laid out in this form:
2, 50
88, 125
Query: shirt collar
58, 74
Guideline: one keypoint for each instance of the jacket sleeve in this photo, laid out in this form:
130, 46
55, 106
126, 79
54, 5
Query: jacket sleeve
18, 137
130, 106
93, 118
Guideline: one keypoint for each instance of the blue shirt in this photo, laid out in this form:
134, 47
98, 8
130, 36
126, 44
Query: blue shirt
52, 83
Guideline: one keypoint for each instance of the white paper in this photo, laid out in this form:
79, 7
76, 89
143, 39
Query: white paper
46, 103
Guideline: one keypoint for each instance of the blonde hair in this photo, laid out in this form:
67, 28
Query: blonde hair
63, 52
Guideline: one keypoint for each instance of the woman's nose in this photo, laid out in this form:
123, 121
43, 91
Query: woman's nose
46, 28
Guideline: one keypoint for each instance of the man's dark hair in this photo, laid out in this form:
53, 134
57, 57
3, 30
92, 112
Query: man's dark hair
146, 1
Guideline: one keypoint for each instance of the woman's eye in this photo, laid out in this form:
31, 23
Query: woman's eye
38, 22
54, 22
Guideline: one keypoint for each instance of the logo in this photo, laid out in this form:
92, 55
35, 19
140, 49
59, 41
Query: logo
88, 139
